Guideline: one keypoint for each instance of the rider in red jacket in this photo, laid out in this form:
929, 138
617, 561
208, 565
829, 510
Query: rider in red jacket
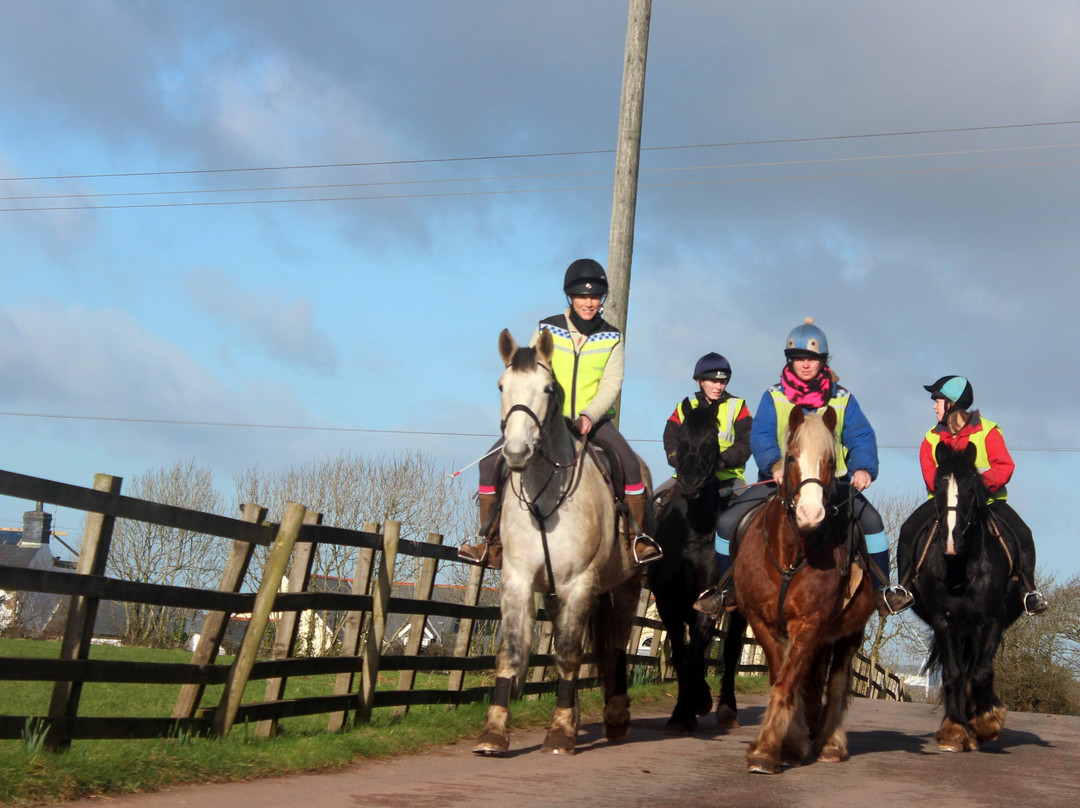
958, 427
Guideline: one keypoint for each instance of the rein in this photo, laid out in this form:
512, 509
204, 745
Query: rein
787, 502
577, 463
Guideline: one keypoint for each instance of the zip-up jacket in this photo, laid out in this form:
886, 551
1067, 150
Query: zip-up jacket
733, 421
856, 441
992, 458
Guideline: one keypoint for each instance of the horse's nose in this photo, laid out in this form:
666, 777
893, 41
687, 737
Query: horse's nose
517, 454
809, 513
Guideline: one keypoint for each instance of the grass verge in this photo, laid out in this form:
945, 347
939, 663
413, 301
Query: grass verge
30, 776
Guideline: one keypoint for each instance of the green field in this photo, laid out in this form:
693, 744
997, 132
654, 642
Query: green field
31, 776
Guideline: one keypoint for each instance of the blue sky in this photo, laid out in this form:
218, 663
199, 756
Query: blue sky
905, 174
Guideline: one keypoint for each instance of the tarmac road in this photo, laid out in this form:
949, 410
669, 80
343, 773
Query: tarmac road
894, 763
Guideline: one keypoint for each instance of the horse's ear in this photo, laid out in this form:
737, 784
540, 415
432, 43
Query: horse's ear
939, 452
829, 417
545, 346
970, 452
507, 346
798, 415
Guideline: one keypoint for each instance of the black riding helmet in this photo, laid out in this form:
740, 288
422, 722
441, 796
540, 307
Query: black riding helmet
585, 277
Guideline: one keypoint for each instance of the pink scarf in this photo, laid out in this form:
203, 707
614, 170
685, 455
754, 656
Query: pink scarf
814, 393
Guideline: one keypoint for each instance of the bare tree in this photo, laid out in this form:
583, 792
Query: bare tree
1038, 661
351, 489
161, 555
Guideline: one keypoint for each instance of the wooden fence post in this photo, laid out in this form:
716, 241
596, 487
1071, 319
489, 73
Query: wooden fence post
352, 632
425, 585
82, 612
215, 623
289, 622
276, 564
465, 626
373, 647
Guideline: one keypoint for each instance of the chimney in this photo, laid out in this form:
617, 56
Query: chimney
37, 528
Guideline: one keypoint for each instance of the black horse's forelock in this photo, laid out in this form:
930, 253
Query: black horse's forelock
961, 468
523, 359
697, 441
526, 359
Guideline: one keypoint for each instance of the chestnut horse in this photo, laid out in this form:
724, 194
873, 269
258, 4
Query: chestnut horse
685, 529
805, 600
965, 591
559, 531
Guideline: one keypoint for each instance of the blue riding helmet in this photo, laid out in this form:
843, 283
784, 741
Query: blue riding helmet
712, 366
807, 340
956, 389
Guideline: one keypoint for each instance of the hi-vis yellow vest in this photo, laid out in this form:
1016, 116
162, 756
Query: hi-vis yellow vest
725, 430
579, 372
982, 457
784, 407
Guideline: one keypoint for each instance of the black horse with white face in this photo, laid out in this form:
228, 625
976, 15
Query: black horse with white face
965, 590
685, 530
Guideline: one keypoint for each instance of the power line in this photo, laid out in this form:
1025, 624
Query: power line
559, 175
367, 430
436, 160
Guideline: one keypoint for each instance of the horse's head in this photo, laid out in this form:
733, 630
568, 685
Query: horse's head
697, 450
531, 397
959, 494
809, 465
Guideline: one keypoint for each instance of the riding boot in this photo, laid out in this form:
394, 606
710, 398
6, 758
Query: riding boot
644, 548
487, 550
715, 600
720, 597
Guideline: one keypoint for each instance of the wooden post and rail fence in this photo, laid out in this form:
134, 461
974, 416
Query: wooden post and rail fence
359, 657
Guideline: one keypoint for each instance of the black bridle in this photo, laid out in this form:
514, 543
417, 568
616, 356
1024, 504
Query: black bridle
554, 410
787, 502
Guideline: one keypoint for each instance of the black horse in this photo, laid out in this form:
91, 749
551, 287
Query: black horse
685, 530
965, 590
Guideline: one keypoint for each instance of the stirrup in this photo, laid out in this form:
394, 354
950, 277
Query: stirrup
895, 599
1038, 603
474, 553
712, 601
650, 542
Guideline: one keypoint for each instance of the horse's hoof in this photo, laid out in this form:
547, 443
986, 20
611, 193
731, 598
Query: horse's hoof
726, 717
763, 766
832, 754
492, 744
617, 717
675, 726
557, 748
953, 737
987, 726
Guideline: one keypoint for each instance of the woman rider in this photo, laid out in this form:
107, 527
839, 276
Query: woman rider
588, 364
957, 427
712, 372
807, 381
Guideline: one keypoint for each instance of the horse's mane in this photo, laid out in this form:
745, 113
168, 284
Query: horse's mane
700, 420
814, 436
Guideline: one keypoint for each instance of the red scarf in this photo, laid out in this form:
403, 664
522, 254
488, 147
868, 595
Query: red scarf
814, 393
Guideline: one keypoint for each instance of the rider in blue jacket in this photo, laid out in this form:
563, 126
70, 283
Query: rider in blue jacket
807, 381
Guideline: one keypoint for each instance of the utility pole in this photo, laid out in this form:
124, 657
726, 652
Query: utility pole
627, 154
